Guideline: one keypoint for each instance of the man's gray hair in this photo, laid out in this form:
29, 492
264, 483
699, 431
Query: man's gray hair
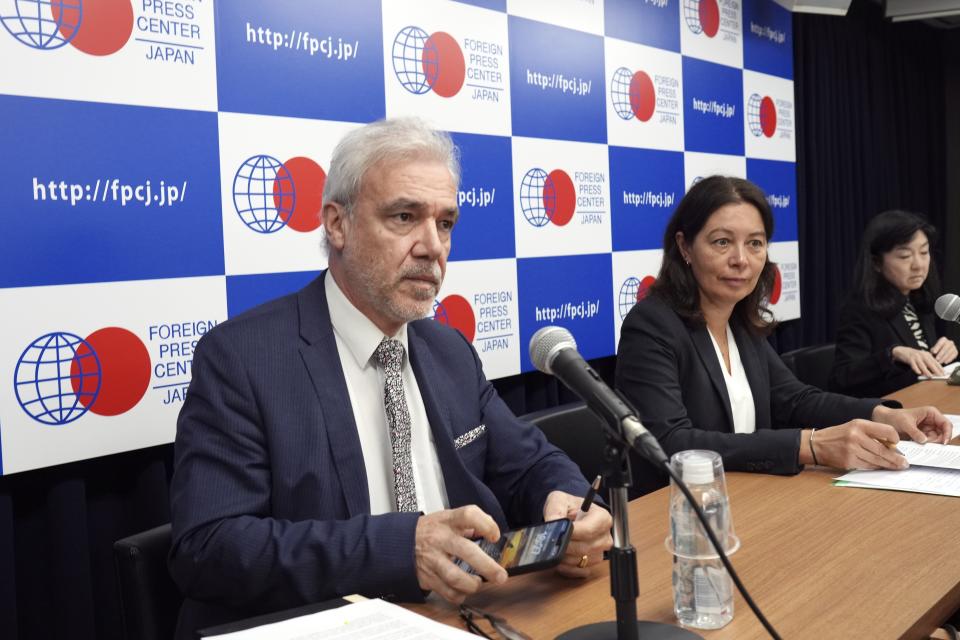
395, 139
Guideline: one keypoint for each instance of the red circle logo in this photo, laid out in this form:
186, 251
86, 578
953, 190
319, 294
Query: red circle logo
458, 313
709, 17
304, 206
644, 289
643, 96
559, 197
777, 286
443, 64
768, 116
124, 370
105, 27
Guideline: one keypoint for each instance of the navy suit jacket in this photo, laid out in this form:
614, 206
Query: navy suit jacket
670, 371
269, 496
862, 363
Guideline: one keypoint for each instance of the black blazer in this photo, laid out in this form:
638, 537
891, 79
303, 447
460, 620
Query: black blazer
670, 371
863, 364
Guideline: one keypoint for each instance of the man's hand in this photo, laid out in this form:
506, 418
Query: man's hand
591, 533
442, 537
920, 424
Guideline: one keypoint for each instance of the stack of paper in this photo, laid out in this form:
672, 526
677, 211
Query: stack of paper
368, 619
934, 468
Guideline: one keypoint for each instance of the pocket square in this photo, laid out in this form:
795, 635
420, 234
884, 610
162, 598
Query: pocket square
464, 439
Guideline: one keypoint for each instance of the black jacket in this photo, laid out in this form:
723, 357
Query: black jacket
863, 364
670, 371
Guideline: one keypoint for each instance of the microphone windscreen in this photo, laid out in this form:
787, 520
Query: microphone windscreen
947, 307
546, 343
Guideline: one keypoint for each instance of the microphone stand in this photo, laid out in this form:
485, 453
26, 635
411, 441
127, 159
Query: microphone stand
624, 585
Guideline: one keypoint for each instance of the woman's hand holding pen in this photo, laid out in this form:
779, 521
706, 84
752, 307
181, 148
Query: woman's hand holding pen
857, 444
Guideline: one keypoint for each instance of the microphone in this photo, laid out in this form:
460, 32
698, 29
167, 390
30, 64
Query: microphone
554, 351
947, 307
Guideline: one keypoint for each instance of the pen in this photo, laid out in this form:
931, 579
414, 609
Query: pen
890, 445
588, 499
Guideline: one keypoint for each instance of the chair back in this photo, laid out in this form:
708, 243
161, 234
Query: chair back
576, 431
149, 599
811, 365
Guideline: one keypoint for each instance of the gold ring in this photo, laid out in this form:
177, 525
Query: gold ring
583, 561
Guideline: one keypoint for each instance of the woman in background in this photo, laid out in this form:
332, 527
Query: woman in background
887, 334
694, 360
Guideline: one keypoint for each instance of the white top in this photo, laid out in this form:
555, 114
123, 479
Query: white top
357, 339
738, 388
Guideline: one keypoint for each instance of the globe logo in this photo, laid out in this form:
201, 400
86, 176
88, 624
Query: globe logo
61, 376
632, 291
454, 311
761, 115
547, 197
264, 194
36, 24
423, 62
96, 28
57, 378
633, 94
702, 16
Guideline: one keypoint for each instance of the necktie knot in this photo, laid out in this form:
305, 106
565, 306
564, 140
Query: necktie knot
389, 354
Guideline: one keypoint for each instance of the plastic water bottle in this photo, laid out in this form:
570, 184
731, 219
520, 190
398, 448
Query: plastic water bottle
702, 588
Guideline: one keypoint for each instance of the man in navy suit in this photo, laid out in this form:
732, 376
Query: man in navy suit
294, 484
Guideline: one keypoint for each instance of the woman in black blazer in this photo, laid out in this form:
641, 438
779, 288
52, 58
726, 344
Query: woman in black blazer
694, 361
887, 335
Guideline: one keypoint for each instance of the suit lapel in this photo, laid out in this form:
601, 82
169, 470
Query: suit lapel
759, 385
320, 355
902, 330
929, 329
708, 355
455, 475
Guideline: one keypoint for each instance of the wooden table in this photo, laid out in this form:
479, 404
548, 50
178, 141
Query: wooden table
821, 561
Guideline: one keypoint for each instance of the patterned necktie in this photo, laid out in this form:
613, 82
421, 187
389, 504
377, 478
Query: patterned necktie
389, 354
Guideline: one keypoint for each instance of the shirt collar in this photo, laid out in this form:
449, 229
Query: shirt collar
355, 330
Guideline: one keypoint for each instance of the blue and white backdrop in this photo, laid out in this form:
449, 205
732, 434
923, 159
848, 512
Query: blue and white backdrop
161, 165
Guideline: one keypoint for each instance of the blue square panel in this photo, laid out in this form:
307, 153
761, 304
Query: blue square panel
556, 82
320, 59
645, 187
712, 107
99, 192
571, 292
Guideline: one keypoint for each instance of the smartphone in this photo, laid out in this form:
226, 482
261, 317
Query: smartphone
529, 549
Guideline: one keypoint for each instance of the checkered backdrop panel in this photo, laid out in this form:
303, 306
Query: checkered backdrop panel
163, 163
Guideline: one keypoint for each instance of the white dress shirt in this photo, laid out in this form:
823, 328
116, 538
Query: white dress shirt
738, 388
357, 340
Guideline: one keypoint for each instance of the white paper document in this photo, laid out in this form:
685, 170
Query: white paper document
365, 620
955, 419
944, 482
942, 456
947, 370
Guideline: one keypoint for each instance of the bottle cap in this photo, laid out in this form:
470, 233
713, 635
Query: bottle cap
697, 470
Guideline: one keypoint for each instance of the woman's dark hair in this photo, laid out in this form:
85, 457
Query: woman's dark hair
676, 285
885, 232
